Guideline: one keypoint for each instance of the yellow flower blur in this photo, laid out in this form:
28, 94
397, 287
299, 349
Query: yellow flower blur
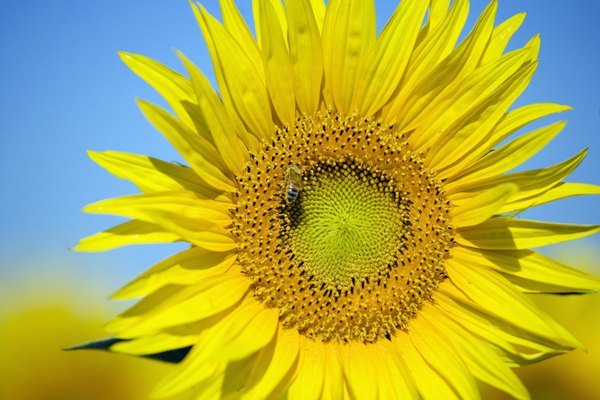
33, 333
349, 205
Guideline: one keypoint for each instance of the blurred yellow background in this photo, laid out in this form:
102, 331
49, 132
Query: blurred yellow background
35, 325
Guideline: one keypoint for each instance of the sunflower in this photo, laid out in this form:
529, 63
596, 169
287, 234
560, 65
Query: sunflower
350, 208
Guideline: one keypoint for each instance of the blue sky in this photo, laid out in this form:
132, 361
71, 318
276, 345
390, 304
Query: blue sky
64, 90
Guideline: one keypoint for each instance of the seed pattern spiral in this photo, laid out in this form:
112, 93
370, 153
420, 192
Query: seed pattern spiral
360, 246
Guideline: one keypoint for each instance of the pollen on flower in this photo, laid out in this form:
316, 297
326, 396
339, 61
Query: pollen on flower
361, 244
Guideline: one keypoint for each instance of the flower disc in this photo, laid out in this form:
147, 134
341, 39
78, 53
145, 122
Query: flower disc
361, 245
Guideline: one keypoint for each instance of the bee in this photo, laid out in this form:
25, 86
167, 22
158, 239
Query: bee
293, 183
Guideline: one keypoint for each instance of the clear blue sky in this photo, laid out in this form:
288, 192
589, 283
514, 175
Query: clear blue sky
64, 90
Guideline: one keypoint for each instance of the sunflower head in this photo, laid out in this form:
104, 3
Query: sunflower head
349, 204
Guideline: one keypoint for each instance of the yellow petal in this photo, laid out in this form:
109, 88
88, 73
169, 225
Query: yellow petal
208, 379
275, 366
479, 37
281, 23
442, 357
438, 10
510, 123
334, 387
234, 382
150, 174
560, 191
249, 138
127, 233
429, 384
192, 372
183, 204
494, 295
361, 364
276, 61
199, 153
153, 344
501, 36
512, 154
466, 117
348, 32
245, 330
481, 206
191, 265
306, 54
472, 135
319, 10
518, 118
445, 27
171, 85
530, 271
479, 357
199, 126
308, 384
383, 67
227, 383
447, 76
237, 28
400, 385
517, 346
242, 78
509, 233
429, 51
201, 222
530, 183
213, 113
374, 371
206, 298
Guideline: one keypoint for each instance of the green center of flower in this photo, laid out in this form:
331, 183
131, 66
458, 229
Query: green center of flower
341, 228
346, 223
